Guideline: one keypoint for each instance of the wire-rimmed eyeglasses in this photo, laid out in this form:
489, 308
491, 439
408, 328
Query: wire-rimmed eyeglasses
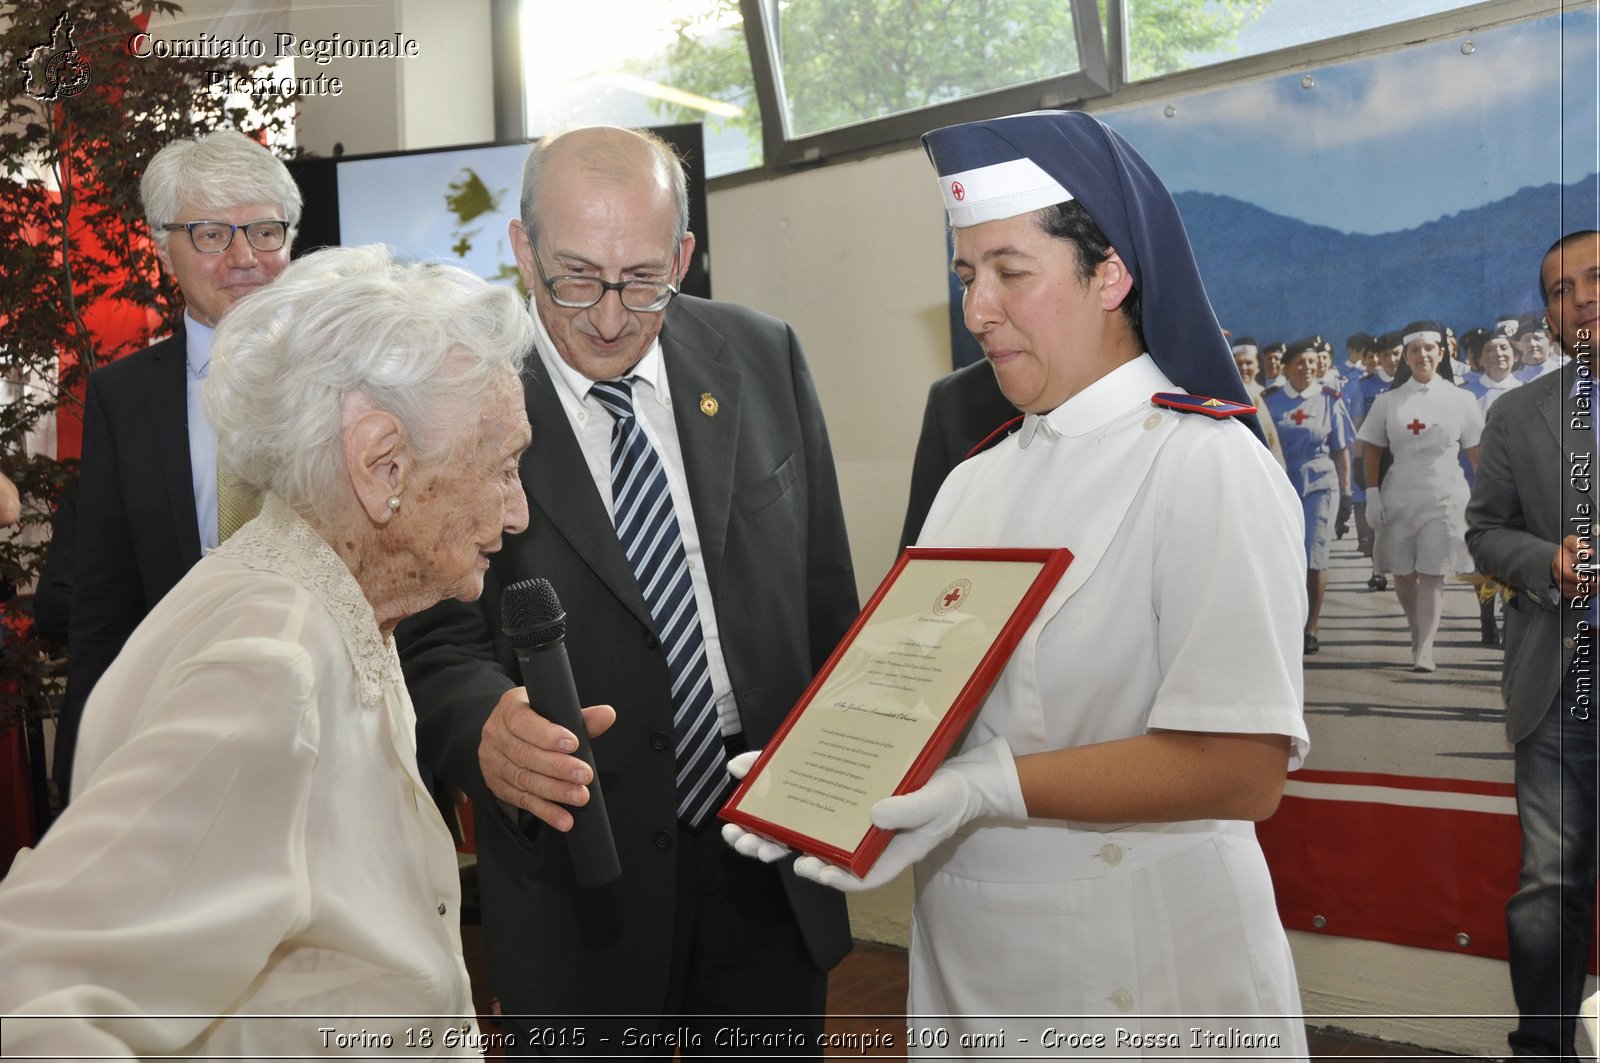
580, 293
215, 237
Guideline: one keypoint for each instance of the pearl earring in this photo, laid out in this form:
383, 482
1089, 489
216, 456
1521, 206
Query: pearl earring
394, 504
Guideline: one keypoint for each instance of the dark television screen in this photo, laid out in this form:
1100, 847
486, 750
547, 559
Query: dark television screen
453, 204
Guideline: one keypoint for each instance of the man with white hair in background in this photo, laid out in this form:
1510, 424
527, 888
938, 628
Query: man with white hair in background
222, 211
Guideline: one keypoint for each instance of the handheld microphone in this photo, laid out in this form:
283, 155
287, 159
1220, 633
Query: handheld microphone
532, 618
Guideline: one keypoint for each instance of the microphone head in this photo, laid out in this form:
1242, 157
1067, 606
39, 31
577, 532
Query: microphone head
531, 615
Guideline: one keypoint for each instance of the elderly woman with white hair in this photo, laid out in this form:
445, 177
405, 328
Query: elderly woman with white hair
250, 841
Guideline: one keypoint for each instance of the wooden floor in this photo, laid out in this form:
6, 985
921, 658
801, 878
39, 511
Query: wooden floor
866, 1010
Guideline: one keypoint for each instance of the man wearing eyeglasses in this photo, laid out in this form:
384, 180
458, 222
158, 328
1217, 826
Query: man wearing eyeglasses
698, 608
222, 211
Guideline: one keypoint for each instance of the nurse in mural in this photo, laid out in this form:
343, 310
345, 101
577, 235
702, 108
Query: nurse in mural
1419, 509
1498, 359
1315, 431
1245, 356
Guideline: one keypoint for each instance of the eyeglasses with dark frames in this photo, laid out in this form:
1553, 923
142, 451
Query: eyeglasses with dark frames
580, 293
215, 237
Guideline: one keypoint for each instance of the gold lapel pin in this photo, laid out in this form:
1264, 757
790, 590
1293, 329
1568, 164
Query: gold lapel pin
708, 404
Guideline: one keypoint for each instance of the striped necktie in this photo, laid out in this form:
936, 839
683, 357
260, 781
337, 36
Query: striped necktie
648, 530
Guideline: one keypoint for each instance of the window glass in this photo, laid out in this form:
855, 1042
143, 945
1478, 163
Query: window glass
1165, 36
848, 61
643, 63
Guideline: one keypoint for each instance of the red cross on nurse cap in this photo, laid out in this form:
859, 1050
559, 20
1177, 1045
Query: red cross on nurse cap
1015, 165
1000, 183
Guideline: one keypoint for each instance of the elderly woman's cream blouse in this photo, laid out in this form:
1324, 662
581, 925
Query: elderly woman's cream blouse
250, 865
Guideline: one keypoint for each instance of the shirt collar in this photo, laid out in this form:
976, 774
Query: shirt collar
651, 369
197, 342
1125, 387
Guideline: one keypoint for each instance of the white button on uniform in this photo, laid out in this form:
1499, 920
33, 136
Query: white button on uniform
1122, 1000
1111, 854
1151, 421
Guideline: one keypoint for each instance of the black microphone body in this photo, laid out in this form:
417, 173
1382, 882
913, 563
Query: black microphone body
536, 625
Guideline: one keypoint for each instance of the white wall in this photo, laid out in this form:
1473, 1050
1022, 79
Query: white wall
441, 96
854, 257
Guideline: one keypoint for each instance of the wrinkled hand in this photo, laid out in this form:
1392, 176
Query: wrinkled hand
1374, 508
744, 842
1341, 521
529, 762
980, 782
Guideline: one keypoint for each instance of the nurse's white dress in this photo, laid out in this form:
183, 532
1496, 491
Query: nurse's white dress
1425, 427
1182, 609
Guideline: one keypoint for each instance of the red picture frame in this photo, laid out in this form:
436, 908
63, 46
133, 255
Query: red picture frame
1051, 563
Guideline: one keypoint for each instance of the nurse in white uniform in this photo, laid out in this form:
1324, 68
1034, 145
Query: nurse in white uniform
1419, 511
1087, 854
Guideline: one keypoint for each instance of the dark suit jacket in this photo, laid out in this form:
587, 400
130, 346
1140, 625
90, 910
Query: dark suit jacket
766, 503
1528, 496
52, 600
964, 408
136, 533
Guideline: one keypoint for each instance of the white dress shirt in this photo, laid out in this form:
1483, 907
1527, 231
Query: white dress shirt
202, 437
652, 406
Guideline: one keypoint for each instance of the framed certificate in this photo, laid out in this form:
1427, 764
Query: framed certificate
894, 697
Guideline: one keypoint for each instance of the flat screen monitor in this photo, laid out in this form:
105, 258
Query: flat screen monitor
453, 204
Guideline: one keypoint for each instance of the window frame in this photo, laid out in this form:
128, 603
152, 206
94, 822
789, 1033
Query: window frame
1100, 85
782, 151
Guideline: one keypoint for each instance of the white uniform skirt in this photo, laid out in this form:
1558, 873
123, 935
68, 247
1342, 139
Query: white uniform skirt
1155, 941
1425, 523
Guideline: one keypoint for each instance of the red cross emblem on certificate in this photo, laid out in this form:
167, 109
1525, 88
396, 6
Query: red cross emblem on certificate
952, 597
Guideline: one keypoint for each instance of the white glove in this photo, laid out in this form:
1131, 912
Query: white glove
744, 842
980, 782
1374, 508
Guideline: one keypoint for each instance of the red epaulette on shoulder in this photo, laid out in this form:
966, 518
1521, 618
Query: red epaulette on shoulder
996, 436
1332, 393
1218, 408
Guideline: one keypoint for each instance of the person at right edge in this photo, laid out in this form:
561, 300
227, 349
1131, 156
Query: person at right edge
743, 511
1530, 523
1087, 853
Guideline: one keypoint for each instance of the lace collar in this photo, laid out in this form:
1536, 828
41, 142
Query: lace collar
279, 541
